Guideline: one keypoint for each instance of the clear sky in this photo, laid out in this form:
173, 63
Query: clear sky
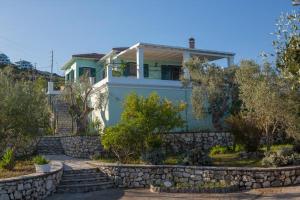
30, 29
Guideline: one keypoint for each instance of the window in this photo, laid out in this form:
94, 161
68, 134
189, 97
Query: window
91, 72
170, 72
130, 69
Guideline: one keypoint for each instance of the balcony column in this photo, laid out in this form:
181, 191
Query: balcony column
230, 61
140, 63
186, 57
108, 69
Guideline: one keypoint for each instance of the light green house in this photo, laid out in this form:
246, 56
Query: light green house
142, 68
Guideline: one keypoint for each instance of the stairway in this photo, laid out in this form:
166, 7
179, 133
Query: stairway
50, 146
62, 117
84, 180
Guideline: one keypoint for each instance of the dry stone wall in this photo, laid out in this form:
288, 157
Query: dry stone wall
134, 176
34, 186
81, 146
186, 141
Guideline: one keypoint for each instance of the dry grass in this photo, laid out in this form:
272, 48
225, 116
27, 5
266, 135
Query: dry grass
22, 167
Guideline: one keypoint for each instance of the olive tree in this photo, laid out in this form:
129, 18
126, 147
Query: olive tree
265, 100
23, 111
78, 97
214, 90
287, 45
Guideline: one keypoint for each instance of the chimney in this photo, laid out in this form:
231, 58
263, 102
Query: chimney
192, 43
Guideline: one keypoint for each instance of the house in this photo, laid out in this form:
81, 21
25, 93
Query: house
23, 64
141, 68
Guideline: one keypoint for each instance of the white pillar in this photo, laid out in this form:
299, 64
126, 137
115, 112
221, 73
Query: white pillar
186, 57
108, 69
140, 63
230, 61
50, 87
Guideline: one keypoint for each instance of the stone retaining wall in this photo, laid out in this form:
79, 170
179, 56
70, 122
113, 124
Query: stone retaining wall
81, 146
186, 141
133, 176
32, 186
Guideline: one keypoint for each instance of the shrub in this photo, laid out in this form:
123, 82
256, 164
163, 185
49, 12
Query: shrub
245, 132
281, 157
218, 150
40, 160
8, 161
143, 121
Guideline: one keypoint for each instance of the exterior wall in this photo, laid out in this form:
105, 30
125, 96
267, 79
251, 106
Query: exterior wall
134, 176
33, 186
81, 146
117, 94
78, 64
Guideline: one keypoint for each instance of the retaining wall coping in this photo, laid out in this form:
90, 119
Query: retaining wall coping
55, 167
253, 169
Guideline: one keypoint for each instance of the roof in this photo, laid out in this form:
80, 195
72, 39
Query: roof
165, 52
119, 48
96, 56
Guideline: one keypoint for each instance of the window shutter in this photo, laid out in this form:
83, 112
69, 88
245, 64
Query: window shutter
93, 72
146, 70
80, 71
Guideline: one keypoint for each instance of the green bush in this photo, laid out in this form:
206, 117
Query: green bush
8, 161
40, 160
281, 157
218, 149
245, 132
143, 121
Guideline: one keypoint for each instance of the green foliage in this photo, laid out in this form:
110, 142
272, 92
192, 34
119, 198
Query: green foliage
23, 111
40, 160
123, 140
78, 94
287, 46
218, 150
245, 132
142, 123
173, 160
94, 127
281, 157
266, 100
8, 160
214, 90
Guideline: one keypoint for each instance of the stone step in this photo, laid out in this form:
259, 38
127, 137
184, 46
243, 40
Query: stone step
72, 181
84, 187
83, 176
83, 171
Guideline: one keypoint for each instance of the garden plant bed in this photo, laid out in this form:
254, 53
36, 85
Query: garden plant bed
23, 167
227, 189
234, 160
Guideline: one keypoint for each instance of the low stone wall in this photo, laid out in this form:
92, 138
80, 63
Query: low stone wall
133, 176
81, 146
186, 141
32, 186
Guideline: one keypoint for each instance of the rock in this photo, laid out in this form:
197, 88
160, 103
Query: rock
276, 183
266, 184
4, 197
17, 195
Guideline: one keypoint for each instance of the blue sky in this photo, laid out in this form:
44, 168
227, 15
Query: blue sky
30, 29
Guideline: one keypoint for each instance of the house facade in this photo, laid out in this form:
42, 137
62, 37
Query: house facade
142, 68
